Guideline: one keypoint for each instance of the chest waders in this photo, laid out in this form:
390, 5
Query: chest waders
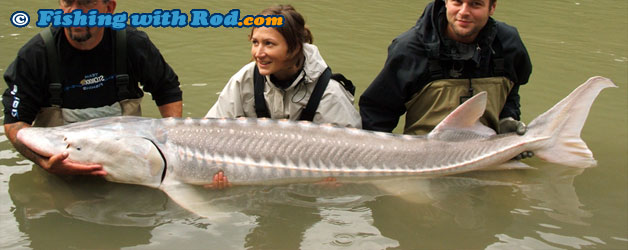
444, 93
436, 100
56, 115
261, 109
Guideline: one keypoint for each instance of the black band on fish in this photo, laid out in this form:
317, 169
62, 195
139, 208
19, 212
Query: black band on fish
163, 157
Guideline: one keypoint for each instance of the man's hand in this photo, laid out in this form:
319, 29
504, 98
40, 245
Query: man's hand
59, 164
56, 164
510, 125
219, 181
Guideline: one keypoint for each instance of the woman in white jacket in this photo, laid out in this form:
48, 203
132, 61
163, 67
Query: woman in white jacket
290, 66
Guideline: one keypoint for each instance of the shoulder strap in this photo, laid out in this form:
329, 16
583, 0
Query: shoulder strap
312, 104
436, 71
346, 83
122, 78
310, 109
258, 88
53, 67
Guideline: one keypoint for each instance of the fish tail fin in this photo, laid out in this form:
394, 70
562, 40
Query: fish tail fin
563, 123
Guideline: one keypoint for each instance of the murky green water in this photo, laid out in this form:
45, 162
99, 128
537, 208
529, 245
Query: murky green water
547, 208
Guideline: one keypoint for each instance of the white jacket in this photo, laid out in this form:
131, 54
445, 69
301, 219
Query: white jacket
237, 99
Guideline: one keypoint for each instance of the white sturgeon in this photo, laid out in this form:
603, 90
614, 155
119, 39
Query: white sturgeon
151, 152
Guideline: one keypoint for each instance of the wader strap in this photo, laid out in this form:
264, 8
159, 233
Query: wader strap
53, 68
315, 98
55, 86
122, 78
436, 71
258, 88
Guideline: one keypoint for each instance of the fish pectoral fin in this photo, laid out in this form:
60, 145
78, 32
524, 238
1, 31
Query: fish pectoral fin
509, 165
197, 200
413, 190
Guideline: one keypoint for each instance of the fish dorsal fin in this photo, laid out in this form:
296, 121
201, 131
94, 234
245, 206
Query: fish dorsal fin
464, 121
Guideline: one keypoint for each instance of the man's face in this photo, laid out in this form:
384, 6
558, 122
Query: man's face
466, 18
82, 34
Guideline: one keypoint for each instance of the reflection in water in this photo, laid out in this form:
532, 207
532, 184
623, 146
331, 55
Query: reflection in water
507, 242
90, 199
458, 206
345, 228
555, 190
83, 210
307, 216
549, 189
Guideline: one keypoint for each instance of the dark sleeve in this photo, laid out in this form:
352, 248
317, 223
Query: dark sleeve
26, 79
151, 70
518, 67
512, 106
383, 102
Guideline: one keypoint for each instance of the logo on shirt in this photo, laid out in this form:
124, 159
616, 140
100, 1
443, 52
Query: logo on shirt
90, 82
93, 81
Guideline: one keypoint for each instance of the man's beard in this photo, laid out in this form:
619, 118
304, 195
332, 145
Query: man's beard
81, 38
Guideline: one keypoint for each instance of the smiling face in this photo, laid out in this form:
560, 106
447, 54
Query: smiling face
466, 18
270, 51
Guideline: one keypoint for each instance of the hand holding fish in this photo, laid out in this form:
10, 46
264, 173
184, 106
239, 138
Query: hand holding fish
510, 125
219, 181
54, 162
59, 164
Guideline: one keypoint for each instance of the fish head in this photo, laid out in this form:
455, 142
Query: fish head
43, 141
126, 157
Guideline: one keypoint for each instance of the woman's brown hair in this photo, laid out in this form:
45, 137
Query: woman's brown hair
293, 30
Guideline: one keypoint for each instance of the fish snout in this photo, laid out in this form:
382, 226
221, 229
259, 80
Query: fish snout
41, 142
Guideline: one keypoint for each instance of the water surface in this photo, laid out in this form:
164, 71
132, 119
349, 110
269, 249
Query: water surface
551, 207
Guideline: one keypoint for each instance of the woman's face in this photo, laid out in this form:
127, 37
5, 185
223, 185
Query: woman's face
270, 51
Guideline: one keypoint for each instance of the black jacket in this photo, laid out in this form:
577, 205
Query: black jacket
407, 68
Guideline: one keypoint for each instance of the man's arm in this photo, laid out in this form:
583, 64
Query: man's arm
56, 164
383, 102
156, 76
173, 109
517, 65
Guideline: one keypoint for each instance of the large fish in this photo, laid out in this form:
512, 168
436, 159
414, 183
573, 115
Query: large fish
158, 152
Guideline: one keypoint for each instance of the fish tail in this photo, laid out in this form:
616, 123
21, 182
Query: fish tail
563, 123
